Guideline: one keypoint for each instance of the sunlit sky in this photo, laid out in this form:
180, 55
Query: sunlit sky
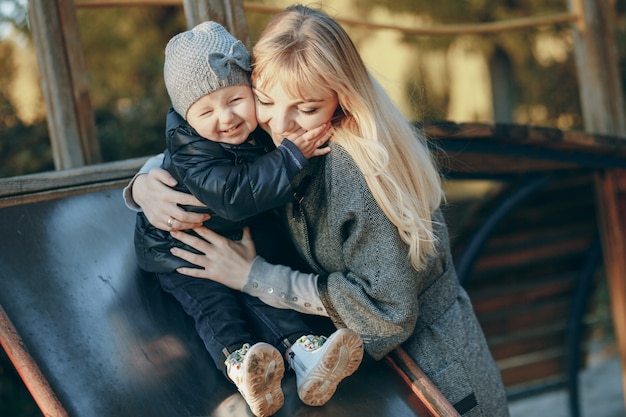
8, 10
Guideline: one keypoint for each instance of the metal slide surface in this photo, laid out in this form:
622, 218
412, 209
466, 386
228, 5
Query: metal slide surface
109, 342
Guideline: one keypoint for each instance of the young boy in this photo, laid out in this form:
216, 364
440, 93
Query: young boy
217, 152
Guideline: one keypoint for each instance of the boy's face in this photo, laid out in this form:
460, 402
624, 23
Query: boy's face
226, 115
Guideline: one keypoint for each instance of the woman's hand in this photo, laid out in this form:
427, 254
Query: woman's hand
160, 203
222, 260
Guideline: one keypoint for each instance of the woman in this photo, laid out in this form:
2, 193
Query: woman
365, 217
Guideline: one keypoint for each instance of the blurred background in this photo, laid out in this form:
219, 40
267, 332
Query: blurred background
430, 77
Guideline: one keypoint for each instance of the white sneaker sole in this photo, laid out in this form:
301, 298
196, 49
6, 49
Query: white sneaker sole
342, 357
263, 373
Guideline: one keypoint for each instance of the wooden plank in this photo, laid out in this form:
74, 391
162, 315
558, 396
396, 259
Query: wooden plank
602, 103
484, 164
27, 368
612, 205
529, 255
597, 61
546, 230
545, 137
57, 184
496, 149
516, 346
522, 287
533, 371
118, 3
229, 13
538, 307
70, 118
531, 294
430, 30
430, 397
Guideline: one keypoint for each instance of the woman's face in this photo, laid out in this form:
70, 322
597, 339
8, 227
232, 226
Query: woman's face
279, 114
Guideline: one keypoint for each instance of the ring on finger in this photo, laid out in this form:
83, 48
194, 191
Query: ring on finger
170, 221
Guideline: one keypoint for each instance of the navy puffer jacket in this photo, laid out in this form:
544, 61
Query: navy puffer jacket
236, 182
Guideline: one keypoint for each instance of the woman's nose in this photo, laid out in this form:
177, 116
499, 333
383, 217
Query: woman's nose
281, 123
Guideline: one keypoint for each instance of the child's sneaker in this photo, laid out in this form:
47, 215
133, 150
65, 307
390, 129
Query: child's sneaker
257, 371
321, 364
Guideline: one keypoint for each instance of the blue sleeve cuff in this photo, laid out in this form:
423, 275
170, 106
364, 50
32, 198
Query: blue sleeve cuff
294, 160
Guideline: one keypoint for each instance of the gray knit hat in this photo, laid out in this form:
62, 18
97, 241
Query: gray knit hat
202, 60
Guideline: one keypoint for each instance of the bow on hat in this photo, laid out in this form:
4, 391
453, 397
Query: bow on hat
220, 63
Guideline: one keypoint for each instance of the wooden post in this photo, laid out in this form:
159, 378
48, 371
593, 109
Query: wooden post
229, 13
34, 379
502, 96
603, 112
598, 67
71, 123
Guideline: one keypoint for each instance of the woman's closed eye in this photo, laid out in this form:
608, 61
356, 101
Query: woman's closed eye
308, 111
261, 102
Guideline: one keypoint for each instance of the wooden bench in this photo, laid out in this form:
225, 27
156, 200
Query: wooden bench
528, 252
526, 284
91, 335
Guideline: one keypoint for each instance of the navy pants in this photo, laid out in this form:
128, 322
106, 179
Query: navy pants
225, 318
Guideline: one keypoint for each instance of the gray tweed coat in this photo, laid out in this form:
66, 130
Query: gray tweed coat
366, 283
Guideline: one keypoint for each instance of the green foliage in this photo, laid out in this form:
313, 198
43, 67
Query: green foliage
23, 149
551, 84
123, 50
466, 11
123, 53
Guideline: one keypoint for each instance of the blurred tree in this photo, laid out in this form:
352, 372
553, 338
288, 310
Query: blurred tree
123, 52
24, 147
123, 49
544, 85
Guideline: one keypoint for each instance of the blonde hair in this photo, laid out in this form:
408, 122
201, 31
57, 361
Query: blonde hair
310, 54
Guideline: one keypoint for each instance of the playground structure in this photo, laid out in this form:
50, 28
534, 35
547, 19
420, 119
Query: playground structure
50, 342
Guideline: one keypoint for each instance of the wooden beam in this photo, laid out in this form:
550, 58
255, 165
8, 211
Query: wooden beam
432, 401
603, 112
29, 371
229, 13
597, 62
71, 123
611, 199
117, 3
522, 23
43, 186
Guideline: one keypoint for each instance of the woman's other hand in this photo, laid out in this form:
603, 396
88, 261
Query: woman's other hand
222, 260
160, 203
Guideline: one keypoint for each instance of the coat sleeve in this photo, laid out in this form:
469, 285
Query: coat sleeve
282, 287
376, 292
230, 191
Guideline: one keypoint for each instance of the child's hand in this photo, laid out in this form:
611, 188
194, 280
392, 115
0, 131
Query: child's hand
310, 142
